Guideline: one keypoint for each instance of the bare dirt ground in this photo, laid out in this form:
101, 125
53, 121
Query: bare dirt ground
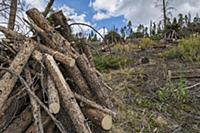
148, 101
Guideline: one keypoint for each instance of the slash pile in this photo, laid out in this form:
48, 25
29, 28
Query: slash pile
49, 85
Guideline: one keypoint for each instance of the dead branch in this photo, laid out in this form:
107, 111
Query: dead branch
28, 89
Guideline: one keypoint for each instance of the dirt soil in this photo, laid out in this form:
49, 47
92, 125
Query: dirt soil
148, 101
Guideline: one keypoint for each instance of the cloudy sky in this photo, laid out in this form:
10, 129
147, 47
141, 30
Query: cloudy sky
107, 13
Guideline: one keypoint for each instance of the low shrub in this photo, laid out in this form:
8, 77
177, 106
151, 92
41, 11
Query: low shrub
110, 62
187, 49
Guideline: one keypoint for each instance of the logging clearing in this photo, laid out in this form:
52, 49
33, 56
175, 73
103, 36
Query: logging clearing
55, 80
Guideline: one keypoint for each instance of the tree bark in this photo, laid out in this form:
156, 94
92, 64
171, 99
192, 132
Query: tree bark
8, 80
48, 7
20, 124
53, 97
99, 118
67, 95
94, 82
12, 15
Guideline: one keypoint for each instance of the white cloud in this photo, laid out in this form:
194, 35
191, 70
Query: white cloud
103, 32
39, 4
75, 17
140, 11
101, 15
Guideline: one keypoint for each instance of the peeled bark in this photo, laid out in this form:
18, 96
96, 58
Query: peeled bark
8, 80
99, 118
53, 97
65, 92
20, 124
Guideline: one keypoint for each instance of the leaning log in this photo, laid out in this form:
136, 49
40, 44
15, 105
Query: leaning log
94, 82
53, 97
8, 80
66, 94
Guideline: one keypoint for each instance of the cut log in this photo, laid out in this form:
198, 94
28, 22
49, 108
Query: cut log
61, 44
64, 59
94, 82
20, 124
99, 118
67, 95
8, 80
94, 105
88, 53
61, 24
53, 97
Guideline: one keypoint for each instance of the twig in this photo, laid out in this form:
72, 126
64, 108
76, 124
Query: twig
195, 85
94, 105
28, 89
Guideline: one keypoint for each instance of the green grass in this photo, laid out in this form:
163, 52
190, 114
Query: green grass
106, 62
187, 49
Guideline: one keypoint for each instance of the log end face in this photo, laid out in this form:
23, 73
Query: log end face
72, 63
54, 108
107, 122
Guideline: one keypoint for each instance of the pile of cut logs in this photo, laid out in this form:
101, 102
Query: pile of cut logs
47, 85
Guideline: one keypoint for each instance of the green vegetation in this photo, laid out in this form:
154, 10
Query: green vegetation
187, 49
105, 62
146, 42
173, 92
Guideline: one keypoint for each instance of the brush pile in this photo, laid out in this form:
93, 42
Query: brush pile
48, 84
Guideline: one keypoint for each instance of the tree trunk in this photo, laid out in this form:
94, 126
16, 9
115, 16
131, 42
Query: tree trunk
67, 96
94, 82
8, 80
12, 15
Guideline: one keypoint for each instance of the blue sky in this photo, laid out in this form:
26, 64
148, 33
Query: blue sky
82, 7
107, 13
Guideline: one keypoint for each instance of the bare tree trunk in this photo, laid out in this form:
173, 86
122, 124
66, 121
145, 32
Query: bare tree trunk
48, 7
12, 15
164, 13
